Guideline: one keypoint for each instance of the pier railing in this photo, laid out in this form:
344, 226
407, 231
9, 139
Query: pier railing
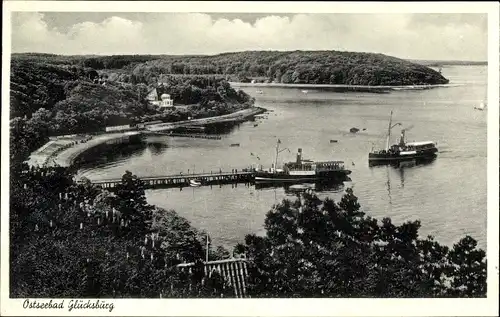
183, 180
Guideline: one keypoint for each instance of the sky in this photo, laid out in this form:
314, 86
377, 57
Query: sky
411, 36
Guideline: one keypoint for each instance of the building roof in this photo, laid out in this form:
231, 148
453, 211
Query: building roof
419, 143
234, 271
157, 92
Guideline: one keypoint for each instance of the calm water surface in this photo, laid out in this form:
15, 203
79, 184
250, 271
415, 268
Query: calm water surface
448, 195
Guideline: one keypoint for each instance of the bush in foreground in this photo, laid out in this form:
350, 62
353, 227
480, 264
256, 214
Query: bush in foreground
315, 248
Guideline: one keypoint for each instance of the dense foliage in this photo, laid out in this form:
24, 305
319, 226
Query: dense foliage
317, 248
75, 240
312, 67
298, 67
54, 95
34, 85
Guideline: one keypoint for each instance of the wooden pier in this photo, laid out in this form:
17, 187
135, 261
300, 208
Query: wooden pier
182, 180
189, 135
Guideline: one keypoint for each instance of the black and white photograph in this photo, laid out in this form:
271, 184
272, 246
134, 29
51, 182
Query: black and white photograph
248, 153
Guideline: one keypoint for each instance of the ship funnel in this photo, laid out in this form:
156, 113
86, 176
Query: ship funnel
402, 140
299, 156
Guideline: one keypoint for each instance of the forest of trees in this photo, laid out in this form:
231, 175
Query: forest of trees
56, 96
316, 248
316, 67
299, 67
78, 240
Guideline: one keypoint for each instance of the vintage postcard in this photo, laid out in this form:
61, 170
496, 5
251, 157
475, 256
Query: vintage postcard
249, 159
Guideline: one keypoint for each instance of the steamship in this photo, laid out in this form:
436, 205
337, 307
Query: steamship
402, 150
302, 170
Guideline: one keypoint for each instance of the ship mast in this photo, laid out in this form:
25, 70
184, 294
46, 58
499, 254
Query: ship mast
276, 157
389, 132
278, 152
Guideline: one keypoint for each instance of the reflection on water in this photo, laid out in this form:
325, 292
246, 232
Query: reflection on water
298, 187
157, 148
399, 167
221, 128
104, 154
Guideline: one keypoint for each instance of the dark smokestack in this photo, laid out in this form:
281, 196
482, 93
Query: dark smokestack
299, 156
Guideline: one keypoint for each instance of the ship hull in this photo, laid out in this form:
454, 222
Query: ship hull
403, 163
283, 177
398, 157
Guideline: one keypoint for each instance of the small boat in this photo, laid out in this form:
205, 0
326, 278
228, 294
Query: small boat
354, 130
302, 170
256, 125
481, 106
301, 188
235, 144
305, 91
403, 151
333, 141
194, 183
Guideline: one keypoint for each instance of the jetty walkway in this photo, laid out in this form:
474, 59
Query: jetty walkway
232, 117
182, 180
189, 135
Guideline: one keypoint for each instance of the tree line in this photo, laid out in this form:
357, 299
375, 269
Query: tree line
76, 240
313, 67
323, 248
55, 99
299, 67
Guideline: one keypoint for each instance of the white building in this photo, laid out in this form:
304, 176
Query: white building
166, 101
163, 101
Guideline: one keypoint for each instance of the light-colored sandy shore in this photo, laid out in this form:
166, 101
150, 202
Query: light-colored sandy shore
63, 151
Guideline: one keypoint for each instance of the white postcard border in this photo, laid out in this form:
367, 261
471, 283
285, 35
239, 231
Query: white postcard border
274, 307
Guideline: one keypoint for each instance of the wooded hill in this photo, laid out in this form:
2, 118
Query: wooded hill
299, 67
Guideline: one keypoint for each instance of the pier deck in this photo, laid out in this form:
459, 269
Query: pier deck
182, 180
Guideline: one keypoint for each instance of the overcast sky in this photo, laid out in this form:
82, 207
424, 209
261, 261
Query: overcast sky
413, 36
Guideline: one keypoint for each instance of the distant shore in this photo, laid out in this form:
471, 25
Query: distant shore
342, 87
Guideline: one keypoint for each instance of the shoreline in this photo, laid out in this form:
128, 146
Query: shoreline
64, 150
67, 149
230, 117
347, 87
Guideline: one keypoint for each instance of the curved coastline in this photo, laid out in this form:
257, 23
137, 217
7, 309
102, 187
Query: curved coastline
63, 151
348, 87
